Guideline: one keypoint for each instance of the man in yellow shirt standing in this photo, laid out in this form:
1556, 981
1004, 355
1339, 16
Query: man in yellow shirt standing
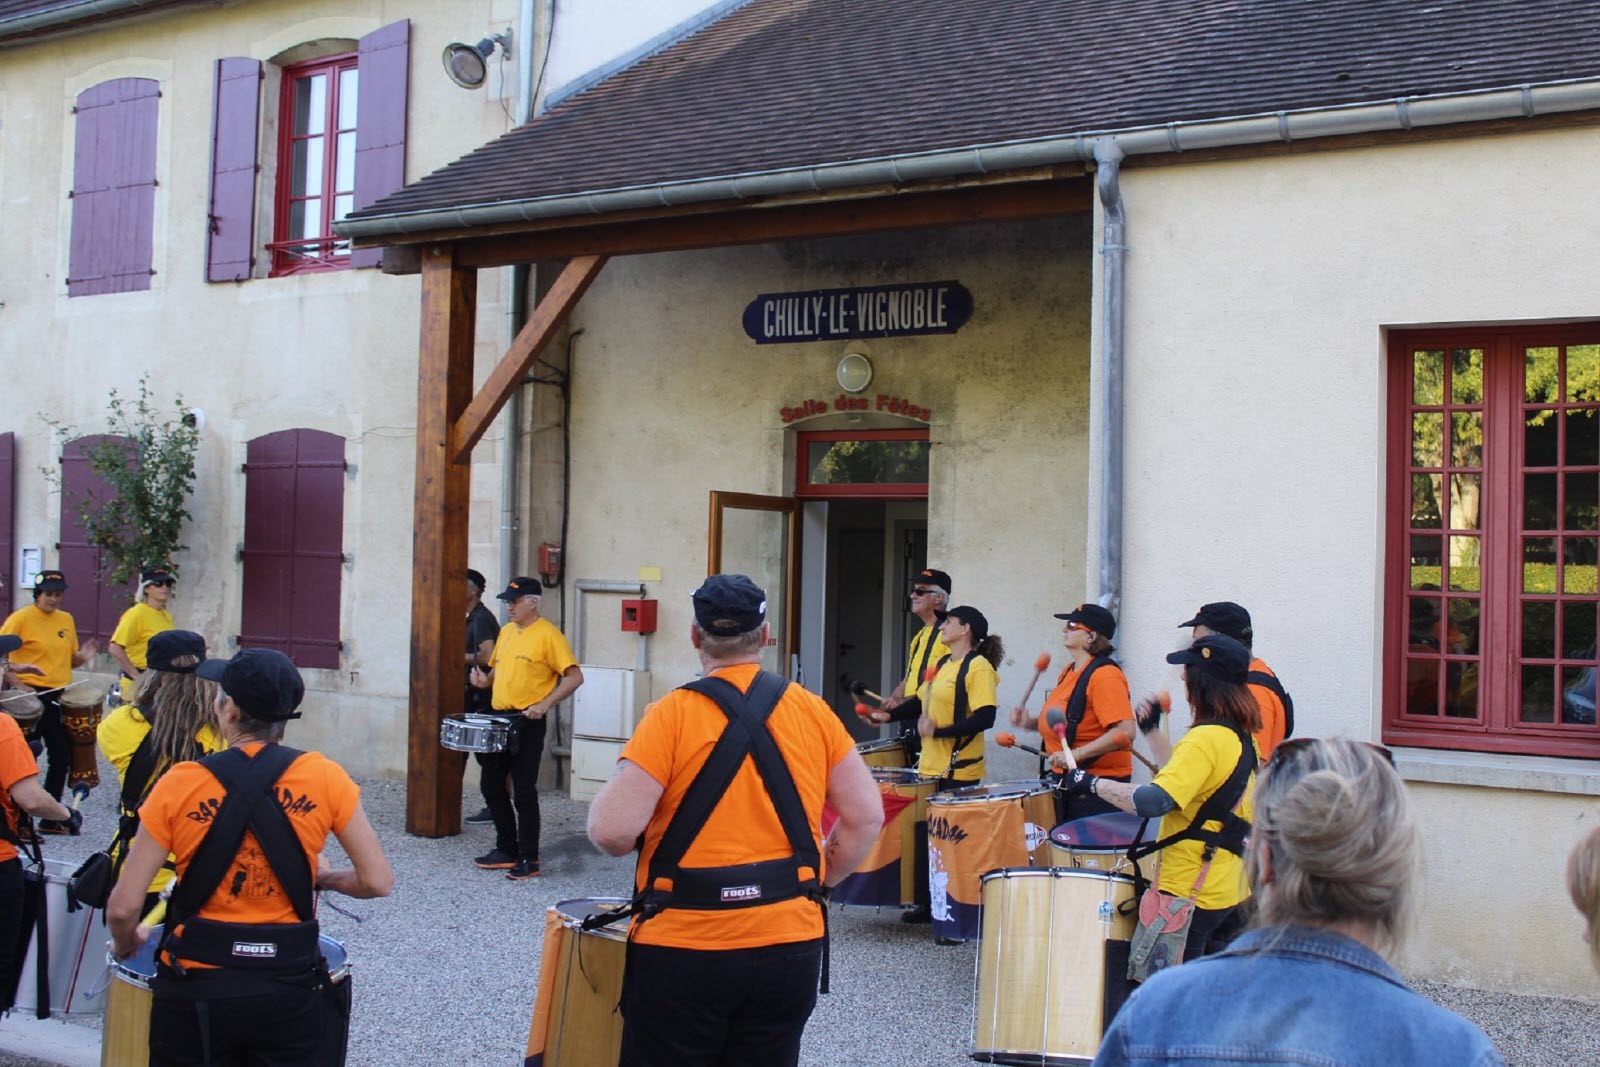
50, 645
532, 670
148, 617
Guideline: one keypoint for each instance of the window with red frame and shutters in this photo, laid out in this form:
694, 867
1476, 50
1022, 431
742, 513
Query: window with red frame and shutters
293, 553
94, 601
114, 187
1494, 539
8, 521
341, 146
235, 122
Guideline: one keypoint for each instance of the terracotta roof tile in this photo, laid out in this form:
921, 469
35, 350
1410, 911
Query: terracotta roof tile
783, 84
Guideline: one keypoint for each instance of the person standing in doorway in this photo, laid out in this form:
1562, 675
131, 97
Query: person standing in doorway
50, 642
531, 670
482, 629
1277, 707
151, 614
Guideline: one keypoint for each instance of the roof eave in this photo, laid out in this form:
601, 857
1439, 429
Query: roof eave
65, 19
1397, 114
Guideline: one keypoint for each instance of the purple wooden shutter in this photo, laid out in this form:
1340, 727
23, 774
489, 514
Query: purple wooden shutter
384, 65
8, 520
96, 603
294, 545
235, 110
114, 187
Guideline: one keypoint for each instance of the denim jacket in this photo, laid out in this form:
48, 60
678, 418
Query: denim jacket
1289, 995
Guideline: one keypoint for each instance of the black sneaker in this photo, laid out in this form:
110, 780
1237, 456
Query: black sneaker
496, 860
51, 826
483, 816
942, 940
917, 915
524, 869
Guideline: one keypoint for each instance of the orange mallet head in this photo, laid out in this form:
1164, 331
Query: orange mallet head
1042, 664
863, 711
1165, 698
1005, 740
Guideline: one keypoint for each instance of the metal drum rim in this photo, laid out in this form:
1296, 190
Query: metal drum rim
575, 922
1053, 872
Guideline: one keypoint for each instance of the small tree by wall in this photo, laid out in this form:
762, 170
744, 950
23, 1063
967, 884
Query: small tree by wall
147, 461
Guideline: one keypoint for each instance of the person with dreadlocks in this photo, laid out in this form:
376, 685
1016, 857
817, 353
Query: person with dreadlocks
171, 722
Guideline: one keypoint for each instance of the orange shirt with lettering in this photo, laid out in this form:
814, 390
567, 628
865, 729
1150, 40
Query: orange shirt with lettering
671, 744
316, 794
16, 764
1106, 704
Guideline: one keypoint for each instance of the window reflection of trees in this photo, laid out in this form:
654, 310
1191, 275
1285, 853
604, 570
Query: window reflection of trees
868, 462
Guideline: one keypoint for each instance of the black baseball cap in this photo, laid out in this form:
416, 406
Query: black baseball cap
971, 616
931, 577
156, 576
1095, 617
1225, 617
169, 645
264, 683
477, 579
729, 604
50, 582
519, 587
1217, 655
9, 643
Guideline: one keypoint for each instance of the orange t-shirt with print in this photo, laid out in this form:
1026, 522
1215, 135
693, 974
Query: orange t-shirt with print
1105, 704
1273, 720
671, 744
16, 764
316, 794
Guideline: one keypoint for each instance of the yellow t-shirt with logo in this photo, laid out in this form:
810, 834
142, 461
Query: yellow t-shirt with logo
1201, 762
922, 659
527, 663
49, 641
939, 702
134, 630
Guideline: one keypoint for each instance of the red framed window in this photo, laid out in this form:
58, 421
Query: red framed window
316, 164
875, 463
1493, 540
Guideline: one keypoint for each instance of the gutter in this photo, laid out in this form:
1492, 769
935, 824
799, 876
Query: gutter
1276, 127
61, 18
1108, 168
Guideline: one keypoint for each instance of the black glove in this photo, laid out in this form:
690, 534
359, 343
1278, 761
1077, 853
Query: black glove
74, 822
1148, 715
1078, 783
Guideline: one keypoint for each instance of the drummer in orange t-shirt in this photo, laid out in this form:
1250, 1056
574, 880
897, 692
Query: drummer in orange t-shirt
1103, 734
726, 946
20, 792
1277, 707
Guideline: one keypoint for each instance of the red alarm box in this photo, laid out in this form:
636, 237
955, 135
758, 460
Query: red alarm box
639, 616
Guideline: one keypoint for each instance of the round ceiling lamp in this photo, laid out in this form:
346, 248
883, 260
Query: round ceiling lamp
854, 372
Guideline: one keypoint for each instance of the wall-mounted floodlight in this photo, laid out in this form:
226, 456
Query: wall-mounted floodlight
467, 64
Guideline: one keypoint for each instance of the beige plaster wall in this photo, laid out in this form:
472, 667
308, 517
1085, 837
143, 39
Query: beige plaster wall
1258, 296
671, 400
334, 351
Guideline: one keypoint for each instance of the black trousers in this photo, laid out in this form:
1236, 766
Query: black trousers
279, 1023
12, 937
516, 815
735, 1007
57, 749
1212, 930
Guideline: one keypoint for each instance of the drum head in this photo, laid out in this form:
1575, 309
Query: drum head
140, 967
1113, 830
21, 704
990, 791
897, 776
336, 956
574, 911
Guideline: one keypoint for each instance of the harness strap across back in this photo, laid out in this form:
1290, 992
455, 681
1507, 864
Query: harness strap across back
1268, 680
962, 709
1218, 807
1078, 703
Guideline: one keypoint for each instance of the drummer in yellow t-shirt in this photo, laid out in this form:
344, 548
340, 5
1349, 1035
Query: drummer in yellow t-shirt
139, 624
952, 724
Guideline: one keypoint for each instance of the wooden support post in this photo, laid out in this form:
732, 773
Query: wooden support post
439, 554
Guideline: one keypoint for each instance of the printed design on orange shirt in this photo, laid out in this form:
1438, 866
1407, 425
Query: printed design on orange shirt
252, 875
943, 829
207, 809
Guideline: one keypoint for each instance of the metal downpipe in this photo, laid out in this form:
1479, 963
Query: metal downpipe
1108, 161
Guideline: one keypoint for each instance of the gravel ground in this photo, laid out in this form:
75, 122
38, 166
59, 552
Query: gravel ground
445, 969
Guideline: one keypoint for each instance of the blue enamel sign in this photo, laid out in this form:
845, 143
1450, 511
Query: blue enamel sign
871, 311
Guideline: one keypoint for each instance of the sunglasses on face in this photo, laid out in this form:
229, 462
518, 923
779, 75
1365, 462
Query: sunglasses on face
1288, 750
1071, 625
168, 584
923, 592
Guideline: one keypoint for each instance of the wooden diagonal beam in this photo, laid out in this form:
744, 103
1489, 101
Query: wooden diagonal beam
513, 367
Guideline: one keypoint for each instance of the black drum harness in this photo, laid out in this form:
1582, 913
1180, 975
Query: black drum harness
253, 950
1078, 703
960, 711
1268, 680
745, 885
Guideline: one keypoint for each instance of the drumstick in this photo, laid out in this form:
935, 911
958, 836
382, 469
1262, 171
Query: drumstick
1040, 665
861, 692
157, 912
1010, 741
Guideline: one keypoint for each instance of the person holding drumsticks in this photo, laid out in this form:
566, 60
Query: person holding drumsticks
1088, 710
1216, 757
146, 618
50, 643
957, 705
930, 594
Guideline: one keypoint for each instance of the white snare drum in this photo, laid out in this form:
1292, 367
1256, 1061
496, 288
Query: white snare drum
475, 733
1052, 964
73, 944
